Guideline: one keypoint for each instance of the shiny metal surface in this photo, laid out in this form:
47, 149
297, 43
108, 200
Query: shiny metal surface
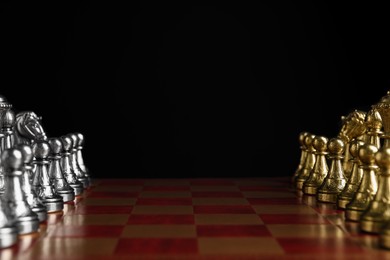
368, 185
309, 163
26, 220
66, 167
32, 198
353, 127
335, 180
303, 156
377, 214
355, 177
320, 169
28, 127
56, 175
80, 159
47, 192
73, 161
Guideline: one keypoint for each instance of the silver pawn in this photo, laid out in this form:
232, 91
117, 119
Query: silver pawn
66, 167
80, 159
73, 161
47, 193
26, 220
55, 173
8, 229
7, 119
31, 196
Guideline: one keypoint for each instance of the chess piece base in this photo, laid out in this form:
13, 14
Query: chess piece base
371, 226
84, 181
41, 212
299, 184
8, 236
327, 197
27, 225
309, 190
342, 203
78, 189
67, 195
54, 204
353, 215
384, 241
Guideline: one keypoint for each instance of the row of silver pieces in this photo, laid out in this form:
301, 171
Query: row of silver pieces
37, 174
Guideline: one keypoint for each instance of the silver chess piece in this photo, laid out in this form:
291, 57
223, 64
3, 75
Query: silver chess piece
26, 220
8, 229
28, 128
41, 181
66, 167
7, 119
31, 196
73, 161
80, 159
55, 173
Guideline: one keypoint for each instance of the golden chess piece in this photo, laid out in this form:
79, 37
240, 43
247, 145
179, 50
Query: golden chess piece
377, 214
374, 126
353, 127
355, 177
320, 169
309, 163
302, 159
383, 107
335, 180
368, 185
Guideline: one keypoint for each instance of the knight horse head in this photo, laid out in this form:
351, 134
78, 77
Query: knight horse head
28, 127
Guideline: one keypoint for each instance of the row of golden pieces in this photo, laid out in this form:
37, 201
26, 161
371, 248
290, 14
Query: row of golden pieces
352, 170
39, 175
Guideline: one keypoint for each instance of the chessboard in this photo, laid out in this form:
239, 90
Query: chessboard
203, 218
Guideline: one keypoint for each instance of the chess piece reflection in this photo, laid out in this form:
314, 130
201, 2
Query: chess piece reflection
335, 180
320, 169
47, 192
309, 163
368, 185
66, 167
26, 220
32, 198
377, 214
354, 179
55, 173
302, 159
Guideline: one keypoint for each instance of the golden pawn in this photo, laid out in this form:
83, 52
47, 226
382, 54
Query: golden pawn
335, 180
302, 159
368, 186
355, 177
377, 214
320, 169
374, 126
309, 163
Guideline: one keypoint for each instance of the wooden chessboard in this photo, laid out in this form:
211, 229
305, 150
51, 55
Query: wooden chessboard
258, 218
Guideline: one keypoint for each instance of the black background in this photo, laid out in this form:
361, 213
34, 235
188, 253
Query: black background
188, 90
